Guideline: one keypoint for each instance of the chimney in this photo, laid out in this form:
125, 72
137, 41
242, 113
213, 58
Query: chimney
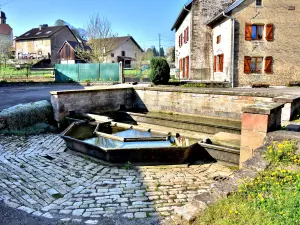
43, 26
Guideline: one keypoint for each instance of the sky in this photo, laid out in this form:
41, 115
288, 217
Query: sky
142, 19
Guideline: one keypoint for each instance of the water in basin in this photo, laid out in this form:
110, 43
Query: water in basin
109, 143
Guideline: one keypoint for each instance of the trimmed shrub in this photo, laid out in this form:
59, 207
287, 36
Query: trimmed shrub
160, 71
25, 115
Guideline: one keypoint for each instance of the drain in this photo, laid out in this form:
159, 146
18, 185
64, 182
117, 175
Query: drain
49, 157
220, 178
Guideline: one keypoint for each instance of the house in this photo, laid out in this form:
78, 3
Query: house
124, 49
258, 41
6, 34
67, 52
193, 40
43, 42
240, 41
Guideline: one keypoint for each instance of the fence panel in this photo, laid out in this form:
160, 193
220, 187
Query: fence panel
109, 71
66, 72
88, 71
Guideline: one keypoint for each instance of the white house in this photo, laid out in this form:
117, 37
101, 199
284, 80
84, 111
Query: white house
183, 33
126, 50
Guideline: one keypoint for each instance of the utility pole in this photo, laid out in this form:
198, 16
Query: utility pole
159, 45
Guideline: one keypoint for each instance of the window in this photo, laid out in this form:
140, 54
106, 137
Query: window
219, 63
38, 33
180, 40
253, 64
256, 32
112, 55
219, 39
123, 53
258, 2
48, 32
186, 35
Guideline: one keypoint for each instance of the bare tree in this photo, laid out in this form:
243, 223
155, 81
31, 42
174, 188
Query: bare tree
101, 40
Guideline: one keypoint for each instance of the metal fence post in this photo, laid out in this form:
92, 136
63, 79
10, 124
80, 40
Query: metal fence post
121, 77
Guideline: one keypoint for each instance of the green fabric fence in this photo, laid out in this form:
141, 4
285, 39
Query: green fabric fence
87, 71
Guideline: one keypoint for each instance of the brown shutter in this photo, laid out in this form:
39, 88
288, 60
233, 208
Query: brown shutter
181, 64
268, 64
269, 32
247, 64
187, 34
221, 62
215, 63
187, 59
248, 32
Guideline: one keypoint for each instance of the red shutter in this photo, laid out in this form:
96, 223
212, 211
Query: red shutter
215, 63
269, 32
180, 64
221, 62
187, 59
268, 64
247, 64
248, 32
187, 34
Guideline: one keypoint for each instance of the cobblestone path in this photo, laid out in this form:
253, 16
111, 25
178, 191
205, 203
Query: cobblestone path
41, 176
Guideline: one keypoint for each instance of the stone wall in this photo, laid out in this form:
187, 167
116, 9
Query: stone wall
225, 104
83, 101
284, 48
201, 48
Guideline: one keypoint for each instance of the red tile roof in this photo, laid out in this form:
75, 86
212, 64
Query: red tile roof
5, 29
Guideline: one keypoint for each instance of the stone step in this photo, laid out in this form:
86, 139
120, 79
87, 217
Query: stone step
209, 125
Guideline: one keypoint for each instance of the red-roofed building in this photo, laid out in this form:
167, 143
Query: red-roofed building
6, 34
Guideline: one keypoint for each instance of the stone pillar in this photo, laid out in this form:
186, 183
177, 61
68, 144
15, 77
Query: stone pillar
291, 105
257, 121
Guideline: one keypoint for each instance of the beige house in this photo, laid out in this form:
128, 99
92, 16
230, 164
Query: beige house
125, 50
248, 41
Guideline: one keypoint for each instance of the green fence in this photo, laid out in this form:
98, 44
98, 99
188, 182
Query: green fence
87, 71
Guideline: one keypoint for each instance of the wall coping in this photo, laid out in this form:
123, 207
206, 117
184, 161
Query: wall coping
263, 108
88, 90
287, 98
215, 91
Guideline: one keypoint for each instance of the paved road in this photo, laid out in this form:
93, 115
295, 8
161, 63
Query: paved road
10, 96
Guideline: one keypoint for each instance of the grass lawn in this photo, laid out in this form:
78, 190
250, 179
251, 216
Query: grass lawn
135, 73
11, 72
271, 198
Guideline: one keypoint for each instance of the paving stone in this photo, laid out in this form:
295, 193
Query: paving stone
140, 215
77, 212
91, 222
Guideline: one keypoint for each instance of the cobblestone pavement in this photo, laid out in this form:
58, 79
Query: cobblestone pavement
40, 176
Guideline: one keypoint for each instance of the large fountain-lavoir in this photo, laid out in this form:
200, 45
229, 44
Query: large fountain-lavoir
119, 137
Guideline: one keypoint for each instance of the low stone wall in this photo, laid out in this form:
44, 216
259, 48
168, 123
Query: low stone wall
83, 101
206, 102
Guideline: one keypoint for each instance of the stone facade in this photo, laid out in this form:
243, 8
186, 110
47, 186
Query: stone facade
284, 48
201, 48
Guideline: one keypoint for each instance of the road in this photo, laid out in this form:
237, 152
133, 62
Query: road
13, 95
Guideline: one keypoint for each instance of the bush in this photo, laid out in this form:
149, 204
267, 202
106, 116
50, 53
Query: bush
260, 85
25, 115
160, 71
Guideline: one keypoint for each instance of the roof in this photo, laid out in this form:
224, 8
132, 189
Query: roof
118, 41
2, 15
5, 29
74, 45
36, 33
227, 10
184, 12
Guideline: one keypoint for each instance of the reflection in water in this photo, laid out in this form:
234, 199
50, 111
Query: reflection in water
109, 143
133, 134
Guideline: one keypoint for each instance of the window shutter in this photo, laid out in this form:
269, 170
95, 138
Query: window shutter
247, 64
215, 63
180, 64
269, 32
187, 34
268, 64
187, 59
248, 32
221, 62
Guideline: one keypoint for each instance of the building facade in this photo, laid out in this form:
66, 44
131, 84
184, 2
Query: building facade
6, 34
247, 42
125, 50
43, 42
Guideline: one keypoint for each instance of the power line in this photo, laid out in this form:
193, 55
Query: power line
6, 3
